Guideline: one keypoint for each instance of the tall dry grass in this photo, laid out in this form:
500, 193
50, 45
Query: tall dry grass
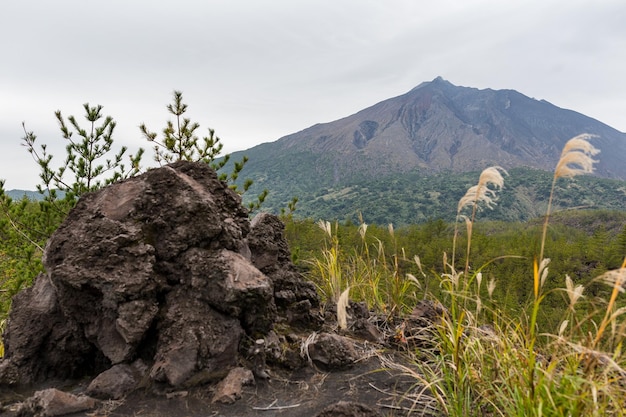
370, 273
483, 361
515, 368
490, 181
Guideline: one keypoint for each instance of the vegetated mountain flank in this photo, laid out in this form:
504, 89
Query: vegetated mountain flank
437, 128
20, 194
31, 195
411, 198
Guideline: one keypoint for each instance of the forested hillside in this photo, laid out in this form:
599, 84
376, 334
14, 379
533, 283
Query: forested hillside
413, 197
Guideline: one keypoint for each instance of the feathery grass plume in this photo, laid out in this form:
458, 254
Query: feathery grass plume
574, 293
418, 262
304, 347
481, 193
576, 152
576, 158
331, 274
616, 278
362, 230
342, 306
326, 227
491, 286
476, 194
414, 280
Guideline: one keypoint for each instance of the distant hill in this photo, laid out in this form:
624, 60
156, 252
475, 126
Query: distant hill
20, 194
31, 195
436, 130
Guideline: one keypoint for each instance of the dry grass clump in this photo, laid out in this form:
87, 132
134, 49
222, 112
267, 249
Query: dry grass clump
369, 273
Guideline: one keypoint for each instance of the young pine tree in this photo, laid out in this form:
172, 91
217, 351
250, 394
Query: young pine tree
180, 142
90, 163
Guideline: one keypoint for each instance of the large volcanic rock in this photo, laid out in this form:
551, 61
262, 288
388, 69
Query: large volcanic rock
162, 270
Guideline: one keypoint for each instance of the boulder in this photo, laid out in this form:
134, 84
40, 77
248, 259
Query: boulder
165, 268
295, 297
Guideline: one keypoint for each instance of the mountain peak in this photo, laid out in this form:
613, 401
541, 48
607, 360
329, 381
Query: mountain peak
438, 81
439, 127
401, 144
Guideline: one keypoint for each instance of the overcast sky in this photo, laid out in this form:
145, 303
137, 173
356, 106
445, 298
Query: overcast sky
258, 70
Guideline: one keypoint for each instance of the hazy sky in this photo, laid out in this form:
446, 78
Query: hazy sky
258, 70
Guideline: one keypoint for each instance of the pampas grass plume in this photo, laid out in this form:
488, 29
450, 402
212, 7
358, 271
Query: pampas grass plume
574, 293
342, 307
576, 157
481, 191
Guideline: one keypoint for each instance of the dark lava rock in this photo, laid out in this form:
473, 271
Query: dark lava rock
294, 296
348, 409
164, 268
332, 351
52, 402
115, 383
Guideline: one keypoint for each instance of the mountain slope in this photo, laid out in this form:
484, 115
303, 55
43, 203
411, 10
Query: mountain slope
435, 128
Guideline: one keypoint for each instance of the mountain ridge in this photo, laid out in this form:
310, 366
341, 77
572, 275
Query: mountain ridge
436, 128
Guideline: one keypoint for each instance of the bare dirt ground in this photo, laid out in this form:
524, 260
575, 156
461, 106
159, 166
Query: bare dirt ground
306, 392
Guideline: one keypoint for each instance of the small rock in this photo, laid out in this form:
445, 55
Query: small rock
366, 330
358, 310
229, 389
416, 330
113, 383
332, 351
52, 402
428, 312
348, 409
177, 394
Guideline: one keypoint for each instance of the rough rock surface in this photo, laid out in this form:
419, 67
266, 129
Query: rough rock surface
332, 351
230, 388
294, 297
348, 409
116, 382
164, 268
52, 402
